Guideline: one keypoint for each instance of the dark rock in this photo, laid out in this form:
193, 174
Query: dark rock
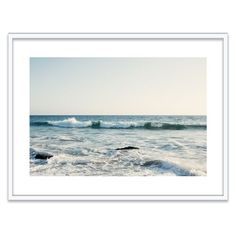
157, 163
127, 148
39, 155
169, 167
43, 155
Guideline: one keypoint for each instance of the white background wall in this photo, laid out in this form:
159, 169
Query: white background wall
75, 218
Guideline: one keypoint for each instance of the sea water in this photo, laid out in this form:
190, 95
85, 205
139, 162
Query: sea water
87, 145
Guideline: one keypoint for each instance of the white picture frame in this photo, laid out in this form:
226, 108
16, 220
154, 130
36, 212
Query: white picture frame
22, 186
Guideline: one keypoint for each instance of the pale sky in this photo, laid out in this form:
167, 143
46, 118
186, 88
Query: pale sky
118, 86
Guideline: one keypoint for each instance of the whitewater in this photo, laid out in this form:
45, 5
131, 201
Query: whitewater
93, 145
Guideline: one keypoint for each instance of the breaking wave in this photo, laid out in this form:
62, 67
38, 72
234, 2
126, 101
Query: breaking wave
74, 123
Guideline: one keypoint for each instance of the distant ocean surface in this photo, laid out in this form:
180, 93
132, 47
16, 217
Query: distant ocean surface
87, 145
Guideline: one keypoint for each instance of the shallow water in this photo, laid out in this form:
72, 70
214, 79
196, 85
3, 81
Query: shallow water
86, 145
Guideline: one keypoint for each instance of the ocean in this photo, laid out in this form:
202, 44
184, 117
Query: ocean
89, 145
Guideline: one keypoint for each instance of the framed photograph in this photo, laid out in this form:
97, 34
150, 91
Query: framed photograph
118, 116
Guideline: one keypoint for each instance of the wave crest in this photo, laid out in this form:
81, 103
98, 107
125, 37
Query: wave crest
74, 123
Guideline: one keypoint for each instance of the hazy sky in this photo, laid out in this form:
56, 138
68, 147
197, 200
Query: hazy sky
106, 86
